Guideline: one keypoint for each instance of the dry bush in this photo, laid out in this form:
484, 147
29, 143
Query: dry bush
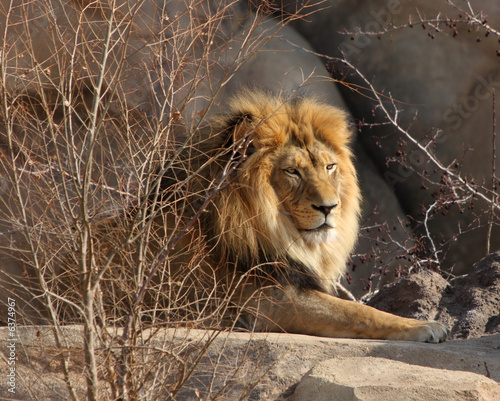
97, 98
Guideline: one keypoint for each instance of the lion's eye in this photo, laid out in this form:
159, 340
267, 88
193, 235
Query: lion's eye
292, 171
331, 167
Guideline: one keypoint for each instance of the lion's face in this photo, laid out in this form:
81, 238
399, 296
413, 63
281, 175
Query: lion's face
306, 181
296, 195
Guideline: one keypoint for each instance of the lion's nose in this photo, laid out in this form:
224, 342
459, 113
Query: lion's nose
325, 209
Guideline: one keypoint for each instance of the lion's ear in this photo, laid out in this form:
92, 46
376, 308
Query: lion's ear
238, 132
239, 125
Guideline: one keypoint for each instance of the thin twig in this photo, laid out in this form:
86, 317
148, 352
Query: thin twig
493, 177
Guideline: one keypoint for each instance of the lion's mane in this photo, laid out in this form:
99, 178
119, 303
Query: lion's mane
243, 224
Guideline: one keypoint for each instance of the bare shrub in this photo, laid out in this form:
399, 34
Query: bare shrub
98, 100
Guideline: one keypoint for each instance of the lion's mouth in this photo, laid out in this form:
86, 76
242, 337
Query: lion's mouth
318, 235
322, 227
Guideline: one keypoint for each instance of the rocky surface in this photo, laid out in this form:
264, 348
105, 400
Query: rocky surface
371, 379
469, 305
271, 366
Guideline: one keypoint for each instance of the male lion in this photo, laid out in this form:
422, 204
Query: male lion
282, 220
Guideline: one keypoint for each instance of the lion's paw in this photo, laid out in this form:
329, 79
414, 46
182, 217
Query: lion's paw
430, 332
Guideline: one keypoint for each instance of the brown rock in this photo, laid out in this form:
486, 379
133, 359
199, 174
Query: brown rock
378, 379
260, 366
469, 305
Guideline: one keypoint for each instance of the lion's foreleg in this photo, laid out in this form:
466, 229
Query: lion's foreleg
316, 313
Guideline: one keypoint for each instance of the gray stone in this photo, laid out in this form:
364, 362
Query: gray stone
378, 379
257, 366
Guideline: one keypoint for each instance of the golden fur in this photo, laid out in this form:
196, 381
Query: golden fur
278, 232
265, 208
